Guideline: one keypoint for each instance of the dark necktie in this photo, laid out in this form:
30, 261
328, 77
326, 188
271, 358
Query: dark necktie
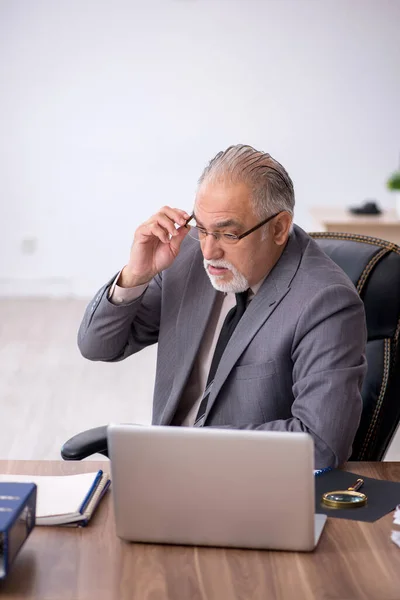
231, 320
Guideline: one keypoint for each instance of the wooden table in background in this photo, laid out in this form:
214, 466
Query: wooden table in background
385, 226
353, 560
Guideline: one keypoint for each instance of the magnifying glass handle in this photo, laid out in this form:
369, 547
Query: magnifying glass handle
359, 483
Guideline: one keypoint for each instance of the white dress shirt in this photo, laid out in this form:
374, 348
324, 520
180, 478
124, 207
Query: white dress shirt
194, 390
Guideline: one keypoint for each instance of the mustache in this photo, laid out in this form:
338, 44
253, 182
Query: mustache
224, 264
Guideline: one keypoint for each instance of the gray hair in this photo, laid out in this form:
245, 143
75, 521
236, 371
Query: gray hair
270, 184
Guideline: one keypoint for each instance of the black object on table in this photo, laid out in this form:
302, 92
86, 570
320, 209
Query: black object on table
383, 496
368, 208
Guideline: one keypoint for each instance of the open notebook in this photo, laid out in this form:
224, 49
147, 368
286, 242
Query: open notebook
65, 499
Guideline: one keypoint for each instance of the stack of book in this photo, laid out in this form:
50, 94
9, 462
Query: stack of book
17, 519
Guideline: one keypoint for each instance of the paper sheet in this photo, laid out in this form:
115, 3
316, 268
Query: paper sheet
395, 537
57, 495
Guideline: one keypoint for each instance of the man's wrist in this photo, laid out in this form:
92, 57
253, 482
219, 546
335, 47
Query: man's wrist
127, 280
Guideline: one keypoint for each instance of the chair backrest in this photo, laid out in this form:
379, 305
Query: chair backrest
373, 265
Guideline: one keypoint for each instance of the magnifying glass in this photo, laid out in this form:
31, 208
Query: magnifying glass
349, 498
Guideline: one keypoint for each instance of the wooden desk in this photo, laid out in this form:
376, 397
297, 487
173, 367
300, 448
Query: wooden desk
353, 560
385, 226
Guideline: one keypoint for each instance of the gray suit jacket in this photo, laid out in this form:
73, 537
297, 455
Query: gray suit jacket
295, 362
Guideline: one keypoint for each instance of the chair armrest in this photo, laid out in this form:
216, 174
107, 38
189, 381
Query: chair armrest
86, 443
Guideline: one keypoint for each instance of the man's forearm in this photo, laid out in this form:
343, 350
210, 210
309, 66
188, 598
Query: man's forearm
108, 331
323, 455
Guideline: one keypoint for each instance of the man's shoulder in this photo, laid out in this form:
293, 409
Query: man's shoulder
320, 287
316, 268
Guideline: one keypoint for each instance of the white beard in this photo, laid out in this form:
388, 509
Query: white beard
238, 282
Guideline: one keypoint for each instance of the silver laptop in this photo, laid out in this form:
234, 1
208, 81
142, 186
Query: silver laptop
214, 487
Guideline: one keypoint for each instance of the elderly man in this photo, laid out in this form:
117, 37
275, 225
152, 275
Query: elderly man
256, 327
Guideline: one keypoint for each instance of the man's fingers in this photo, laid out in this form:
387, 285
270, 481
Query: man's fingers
168, 218
163, 224
176, 242
176, 215
166, 223
159, 232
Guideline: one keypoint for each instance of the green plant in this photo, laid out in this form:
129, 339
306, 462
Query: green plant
393, 182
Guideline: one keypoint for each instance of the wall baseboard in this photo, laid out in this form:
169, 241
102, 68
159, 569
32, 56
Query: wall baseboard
53, 287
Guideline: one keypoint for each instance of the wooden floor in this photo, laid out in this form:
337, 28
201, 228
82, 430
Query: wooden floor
48, 392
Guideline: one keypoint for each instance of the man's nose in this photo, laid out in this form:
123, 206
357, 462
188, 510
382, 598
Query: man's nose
211, 249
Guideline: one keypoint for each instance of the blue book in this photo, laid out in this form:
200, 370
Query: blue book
17, 519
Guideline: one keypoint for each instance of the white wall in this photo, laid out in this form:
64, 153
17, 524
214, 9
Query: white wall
109, 110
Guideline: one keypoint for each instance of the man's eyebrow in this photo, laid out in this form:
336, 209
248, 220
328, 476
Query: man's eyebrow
221, 224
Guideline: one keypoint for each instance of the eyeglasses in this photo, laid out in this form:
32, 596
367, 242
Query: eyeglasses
199, 233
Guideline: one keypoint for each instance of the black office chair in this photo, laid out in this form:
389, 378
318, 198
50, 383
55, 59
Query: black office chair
373, 265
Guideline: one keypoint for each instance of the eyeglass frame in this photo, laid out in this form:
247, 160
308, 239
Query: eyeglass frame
235, 238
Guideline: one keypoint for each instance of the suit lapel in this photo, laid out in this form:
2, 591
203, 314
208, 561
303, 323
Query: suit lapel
194, 313
265, 302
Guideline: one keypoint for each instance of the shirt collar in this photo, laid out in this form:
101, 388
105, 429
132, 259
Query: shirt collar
254, 289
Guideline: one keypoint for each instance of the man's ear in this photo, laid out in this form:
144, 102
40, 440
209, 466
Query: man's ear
281, 228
